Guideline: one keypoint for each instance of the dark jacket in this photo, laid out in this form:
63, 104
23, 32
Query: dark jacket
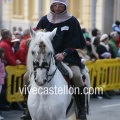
69, 35
101, 49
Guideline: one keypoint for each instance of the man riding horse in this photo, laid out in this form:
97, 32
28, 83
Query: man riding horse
68, 38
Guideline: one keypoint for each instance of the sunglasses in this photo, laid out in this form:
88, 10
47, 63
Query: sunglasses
58, 5
17, 34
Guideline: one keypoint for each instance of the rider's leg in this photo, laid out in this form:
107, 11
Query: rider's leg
79, 95
26, 115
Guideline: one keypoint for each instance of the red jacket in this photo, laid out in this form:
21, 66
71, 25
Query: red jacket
118, 43
23, 41
9, 54
21, 54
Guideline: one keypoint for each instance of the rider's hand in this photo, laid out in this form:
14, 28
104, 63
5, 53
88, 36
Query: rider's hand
59, 57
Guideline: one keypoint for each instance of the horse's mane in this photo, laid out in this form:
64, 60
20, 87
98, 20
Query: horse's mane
40, 36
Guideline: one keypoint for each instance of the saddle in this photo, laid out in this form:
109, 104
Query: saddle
64, 72
62, 69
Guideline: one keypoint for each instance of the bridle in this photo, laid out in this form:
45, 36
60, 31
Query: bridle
44, 64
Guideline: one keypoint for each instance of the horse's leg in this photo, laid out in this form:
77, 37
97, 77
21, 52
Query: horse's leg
26, 115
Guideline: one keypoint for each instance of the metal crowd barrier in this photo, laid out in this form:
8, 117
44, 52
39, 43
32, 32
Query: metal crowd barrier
15, 83
103, 73
92, 71
108, 74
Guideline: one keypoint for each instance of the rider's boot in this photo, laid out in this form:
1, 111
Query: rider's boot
80, 101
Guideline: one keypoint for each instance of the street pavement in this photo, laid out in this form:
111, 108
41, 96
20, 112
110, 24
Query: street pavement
100, 109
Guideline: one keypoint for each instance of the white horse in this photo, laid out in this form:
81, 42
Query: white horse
48, 98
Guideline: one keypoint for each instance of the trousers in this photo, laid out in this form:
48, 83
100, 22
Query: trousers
77, 76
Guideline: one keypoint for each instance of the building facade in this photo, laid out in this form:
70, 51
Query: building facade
22, 14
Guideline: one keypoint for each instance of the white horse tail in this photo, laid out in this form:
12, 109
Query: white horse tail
68, 69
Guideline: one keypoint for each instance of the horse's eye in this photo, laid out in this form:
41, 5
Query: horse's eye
49, 53
33, 52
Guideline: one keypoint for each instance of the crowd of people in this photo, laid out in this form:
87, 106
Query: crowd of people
101, 46
13, 51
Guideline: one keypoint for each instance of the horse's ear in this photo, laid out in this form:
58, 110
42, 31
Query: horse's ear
32, 32
53, 33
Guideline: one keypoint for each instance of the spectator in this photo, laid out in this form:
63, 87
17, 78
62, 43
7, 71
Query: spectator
21, 54
2, 72
88, 44
94, 45
116, 27
15, 44
18, 35
26, 35
103, 49
6, 45
95, 33
113, 41
84, 30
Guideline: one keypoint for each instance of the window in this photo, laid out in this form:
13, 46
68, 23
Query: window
18, 8
31, 8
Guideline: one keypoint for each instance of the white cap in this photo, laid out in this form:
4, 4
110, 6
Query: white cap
103, 37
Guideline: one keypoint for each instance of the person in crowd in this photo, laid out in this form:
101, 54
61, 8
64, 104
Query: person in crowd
94, 45
2, 72
26, 35
84, 30
6, 45
84, 53
21, 54
116, 27
103, 49
15, 44
18, 35
112, 42
95, 33
88, 41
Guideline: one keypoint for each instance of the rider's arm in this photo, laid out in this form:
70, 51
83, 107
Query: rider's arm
68, 51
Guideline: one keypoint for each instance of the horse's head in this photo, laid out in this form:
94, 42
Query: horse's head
40, 54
